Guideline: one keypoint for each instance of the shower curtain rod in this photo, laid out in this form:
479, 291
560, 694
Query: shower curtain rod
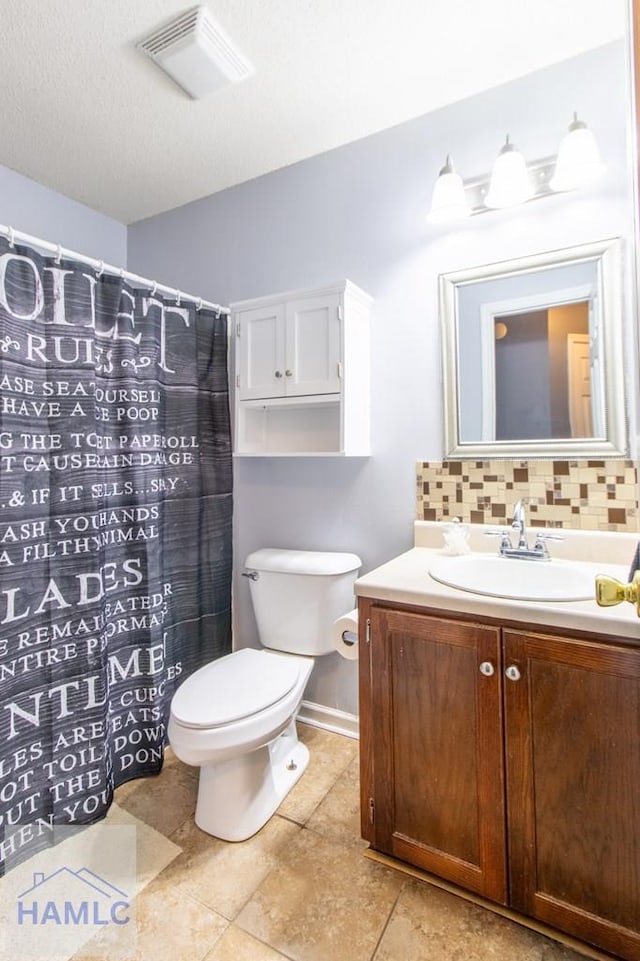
99, 265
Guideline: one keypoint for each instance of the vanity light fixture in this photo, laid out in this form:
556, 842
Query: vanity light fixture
513, 181
510, 181
449, 201
579, 161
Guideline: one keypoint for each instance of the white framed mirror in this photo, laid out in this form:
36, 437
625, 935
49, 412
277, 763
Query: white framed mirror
533, 356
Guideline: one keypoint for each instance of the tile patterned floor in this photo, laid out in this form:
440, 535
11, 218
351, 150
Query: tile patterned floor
299, 890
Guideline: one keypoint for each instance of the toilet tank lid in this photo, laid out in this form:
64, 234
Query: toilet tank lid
302, 562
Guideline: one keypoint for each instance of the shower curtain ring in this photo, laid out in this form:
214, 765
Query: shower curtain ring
58, 253
12, 239
199, 304
100, 270
218, 312
154, 287
178, 296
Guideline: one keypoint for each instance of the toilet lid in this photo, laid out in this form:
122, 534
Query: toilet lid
233, 687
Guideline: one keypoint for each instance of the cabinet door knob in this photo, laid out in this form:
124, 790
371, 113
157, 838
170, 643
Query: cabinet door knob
487, 669
512, 673
278, 373
288, 373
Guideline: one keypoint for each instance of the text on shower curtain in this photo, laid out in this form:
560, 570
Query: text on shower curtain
102, 441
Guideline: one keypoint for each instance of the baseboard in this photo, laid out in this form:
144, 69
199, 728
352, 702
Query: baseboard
329, 719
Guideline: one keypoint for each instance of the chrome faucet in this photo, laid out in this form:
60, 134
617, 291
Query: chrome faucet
522, 550
519, 523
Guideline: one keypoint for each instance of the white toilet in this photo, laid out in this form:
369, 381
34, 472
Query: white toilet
235, 717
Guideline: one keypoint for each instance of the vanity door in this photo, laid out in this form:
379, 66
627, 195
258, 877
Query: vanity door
436, 740
572, 719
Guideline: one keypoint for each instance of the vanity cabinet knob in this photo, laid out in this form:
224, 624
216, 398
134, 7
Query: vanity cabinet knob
512, 673
278, 373
487, 669
288, 373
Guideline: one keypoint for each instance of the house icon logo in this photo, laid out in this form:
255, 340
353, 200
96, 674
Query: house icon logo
72, 899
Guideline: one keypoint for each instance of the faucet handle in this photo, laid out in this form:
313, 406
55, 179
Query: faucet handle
541, 542
502, 533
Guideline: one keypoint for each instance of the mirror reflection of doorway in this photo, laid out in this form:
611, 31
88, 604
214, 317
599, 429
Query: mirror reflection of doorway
543, 373
579, 380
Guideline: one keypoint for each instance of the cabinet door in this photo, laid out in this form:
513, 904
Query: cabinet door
437, 747
313, 346
573, 787
261, 358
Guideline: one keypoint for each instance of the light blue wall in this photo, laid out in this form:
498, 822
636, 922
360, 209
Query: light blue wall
359, 212
33, 209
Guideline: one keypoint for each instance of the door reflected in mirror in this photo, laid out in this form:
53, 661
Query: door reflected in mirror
544, 372
532, 356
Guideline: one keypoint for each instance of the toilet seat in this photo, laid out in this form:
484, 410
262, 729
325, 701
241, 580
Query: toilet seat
234, 687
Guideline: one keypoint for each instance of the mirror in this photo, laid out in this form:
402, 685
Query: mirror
532, 356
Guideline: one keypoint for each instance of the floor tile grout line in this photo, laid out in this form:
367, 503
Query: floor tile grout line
387, 922
324, 796
232, 920
265, 878
350, 845
194, 897
289, 818
250, 934
187, 820
250, 897
222, 933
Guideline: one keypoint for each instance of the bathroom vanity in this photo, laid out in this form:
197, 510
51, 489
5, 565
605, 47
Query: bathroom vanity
500, 740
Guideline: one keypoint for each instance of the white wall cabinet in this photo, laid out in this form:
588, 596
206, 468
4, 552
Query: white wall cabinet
289, 349
302, 373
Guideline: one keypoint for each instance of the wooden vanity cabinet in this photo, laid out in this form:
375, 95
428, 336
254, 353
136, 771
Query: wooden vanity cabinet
507, 762
572, 750
438, 797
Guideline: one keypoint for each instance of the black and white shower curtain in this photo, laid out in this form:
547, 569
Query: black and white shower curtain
115, 531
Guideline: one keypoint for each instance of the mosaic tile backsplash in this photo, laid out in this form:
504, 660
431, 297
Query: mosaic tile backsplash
590, 494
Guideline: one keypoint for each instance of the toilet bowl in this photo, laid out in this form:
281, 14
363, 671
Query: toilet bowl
234, 718
238, 794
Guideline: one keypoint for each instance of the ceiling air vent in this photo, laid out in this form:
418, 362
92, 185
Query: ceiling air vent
196, 53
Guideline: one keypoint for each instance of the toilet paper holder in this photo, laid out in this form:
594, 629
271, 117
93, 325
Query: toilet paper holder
344, 635
350, 638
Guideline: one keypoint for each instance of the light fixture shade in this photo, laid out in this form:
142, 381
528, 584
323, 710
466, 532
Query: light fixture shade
449, 202
579, 161
510, 181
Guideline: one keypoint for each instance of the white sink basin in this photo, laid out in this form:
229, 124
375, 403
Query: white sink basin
523, 580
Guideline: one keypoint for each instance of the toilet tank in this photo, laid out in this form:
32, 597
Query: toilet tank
297, 595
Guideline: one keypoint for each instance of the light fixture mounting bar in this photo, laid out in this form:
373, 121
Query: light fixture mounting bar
541, 172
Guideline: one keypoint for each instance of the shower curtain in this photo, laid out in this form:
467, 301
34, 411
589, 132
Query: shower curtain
115, 532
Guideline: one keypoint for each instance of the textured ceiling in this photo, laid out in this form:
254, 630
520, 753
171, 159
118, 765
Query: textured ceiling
87, 115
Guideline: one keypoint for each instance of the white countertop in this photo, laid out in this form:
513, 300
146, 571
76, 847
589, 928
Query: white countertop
406, 580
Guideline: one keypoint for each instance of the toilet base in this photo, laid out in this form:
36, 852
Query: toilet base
237, 797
